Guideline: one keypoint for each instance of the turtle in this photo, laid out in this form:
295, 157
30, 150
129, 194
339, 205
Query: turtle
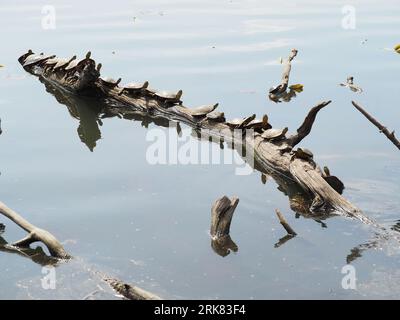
98, 68
203, 110
36, 58
303, 153
170, 97
52, 62
109, 82
238, 123
259, 124
63, 63
216, 116
274, 134
73, 64
134, 87
22, 58
333, 181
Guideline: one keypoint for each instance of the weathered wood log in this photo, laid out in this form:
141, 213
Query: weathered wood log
221, 218
34, 234
271, 156
376, 123
284, 223
57, 251
130, 292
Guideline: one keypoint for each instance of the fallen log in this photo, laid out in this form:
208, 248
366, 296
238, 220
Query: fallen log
376, 123
273, 157
58, 254
130, 292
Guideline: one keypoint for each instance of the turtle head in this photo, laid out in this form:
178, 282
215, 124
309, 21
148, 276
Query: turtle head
179, 94
326, 171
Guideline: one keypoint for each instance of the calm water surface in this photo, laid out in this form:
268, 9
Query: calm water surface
148, 224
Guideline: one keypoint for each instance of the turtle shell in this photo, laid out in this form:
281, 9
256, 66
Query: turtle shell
335, 183
63, 62
36, 58
52, 62
136, 85
22, 58
110, 82
73, 64
150, 91
203, 110
169, 95
240, 123
303, 153
271, 134
259, 124
216, 116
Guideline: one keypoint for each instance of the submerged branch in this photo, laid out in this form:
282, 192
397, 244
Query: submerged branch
284, 223
34, 234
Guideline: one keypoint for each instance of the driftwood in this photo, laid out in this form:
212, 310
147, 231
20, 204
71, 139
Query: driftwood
34, 234
221, 218
279, 92
290, 232
271, 157
130, 292
376, 123
58, 254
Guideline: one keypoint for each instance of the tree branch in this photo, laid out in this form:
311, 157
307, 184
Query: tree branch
285, 75
376, 123
35, 234
305, 129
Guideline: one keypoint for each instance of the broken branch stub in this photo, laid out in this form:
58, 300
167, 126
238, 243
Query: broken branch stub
284, 223
221, 218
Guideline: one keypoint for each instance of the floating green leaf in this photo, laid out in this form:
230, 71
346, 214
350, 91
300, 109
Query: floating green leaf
297, 87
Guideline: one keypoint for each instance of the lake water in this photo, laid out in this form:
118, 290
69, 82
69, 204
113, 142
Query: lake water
147, 224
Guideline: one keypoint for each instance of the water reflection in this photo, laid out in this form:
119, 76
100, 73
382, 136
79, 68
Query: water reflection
86, 110
37, 255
